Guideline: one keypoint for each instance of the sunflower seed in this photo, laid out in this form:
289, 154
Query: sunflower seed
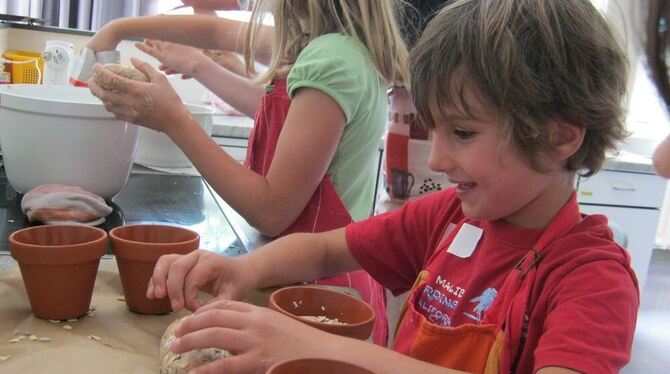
94, 337
4, 358
67, 327
44, 339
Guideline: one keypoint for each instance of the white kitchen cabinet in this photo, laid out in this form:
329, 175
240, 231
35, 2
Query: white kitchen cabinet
236, 147
631, 202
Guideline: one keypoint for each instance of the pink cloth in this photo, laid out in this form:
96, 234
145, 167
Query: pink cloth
57, 204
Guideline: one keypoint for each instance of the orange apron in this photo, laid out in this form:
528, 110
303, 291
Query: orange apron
324, 211
494, 345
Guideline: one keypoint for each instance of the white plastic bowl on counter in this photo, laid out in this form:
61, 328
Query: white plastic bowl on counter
156, 149
63, 134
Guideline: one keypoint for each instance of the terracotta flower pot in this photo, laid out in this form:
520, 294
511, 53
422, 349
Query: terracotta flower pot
58, 264
354, 316
316, 366
137, 248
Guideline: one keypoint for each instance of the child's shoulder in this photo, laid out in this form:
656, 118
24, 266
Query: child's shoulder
590, 243
330, 39
334, 45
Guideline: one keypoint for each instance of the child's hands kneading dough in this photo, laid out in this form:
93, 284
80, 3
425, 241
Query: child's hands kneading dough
140, 95
120, 70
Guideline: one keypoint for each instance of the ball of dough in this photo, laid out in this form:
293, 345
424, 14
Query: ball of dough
172, 363
118, 69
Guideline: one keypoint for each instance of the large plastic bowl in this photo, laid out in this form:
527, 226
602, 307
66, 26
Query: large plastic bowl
156, 149
63, 134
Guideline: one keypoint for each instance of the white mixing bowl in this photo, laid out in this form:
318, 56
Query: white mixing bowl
156, 149
63, 134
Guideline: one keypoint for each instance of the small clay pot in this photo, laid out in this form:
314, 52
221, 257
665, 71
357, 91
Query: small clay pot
137, 248
355, 316
316, 366
58, 264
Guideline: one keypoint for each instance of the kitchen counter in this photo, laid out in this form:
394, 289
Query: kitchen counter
110, 340
232, 126
154, 197
629, 162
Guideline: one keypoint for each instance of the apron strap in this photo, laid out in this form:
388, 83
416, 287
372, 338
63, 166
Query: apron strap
511, 305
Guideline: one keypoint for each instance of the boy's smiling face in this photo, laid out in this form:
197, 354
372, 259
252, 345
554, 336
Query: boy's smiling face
493, 181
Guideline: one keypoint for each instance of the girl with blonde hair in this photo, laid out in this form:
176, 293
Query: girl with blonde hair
312, 154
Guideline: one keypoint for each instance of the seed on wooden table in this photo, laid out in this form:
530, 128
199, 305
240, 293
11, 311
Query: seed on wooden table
44, 339
67, 327
4, 358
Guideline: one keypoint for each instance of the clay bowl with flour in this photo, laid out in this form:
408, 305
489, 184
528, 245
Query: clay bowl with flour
326, 309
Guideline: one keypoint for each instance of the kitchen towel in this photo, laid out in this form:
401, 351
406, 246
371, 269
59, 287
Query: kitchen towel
57, 204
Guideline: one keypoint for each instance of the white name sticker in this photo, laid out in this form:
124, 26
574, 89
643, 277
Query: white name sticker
465, 241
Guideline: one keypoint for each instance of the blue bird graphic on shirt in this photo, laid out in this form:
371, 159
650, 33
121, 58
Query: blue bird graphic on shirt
483, 301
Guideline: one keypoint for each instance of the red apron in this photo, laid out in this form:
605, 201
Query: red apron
324, 211
494, 345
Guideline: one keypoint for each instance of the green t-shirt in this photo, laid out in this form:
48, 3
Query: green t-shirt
343, 69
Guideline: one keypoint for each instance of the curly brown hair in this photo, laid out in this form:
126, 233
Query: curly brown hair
534, 61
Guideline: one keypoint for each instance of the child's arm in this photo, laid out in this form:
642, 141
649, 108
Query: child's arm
261, 337
212, 5
307, 144
201, 31
291, 259
271, 203
237, 91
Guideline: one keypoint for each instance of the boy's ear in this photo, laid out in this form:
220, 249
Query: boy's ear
566, 139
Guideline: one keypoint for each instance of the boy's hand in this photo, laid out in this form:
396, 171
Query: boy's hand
154, 105
175, 58
181, 277
258, 337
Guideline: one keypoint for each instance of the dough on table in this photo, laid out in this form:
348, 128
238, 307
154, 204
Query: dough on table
172, 363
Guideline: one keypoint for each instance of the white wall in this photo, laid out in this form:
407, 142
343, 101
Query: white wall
32, 40
647, 119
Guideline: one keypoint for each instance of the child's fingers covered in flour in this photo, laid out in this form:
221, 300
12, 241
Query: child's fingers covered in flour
154, 104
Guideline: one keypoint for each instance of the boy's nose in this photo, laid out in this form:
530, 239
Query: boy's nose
440, 159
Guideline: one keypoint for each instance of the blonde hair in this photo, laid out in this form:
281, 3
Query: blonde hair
297, 22
534, 61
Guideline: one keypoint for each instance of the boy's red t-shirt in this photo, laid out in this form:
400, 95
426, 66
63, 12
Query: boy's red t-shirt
584, 304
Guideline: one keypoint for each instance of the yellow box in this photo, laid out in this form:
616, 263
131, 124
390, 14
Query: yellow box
25, 71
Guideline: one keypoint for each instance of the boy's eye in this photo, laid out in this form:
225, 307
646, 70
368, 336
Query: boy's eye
463, 134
